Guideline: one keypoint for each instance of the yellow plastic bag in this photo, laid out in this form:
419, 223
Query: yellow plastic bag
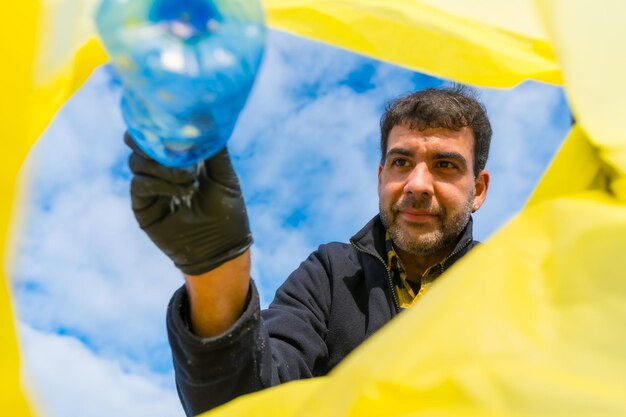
529, 324
47, 54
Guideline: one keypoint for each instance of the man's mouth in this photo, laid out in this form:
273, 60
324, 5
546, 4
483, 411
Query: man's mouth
417, 216
414, 213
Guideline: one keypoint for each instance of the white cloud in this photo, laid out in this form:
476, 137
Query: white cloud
66, 379
83, 265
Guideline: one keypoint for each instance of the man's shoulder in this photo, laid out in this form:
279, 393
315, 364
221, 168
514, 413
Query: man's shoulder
333, 253
367, 239
338, 259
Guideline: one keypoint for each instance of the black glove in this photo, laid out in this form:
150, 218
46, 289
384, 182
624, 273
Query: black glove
196, 217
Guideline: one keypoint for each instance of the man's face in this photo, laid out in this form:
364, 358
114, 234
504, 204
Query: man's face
427, 189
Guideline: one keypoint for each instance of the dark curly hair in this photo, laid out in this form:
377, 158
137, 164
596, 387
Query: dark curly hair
451, 108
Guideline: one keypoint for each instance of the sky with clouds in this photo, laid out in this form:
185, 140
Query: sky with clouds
90, 288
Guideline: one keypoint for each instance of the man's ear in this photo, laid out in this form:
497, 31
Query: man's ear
481, 184
380, 172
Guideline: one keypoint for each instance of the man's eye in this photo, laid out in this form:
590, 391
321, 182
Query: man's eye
399, 162
445, 165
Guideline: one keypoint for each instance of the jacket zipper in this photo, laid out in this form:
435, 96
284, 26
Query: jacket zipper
442, 263
389, 278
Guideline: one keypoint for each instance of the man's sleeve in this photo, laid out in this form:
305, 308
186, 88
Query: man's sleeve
283, 343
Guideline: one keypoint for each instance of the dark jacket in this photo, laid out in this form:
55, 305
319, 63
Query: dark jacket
339, 296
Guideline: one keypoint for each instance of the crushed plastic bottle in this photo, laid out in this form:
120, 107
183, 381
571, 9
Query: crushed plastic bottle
187, 67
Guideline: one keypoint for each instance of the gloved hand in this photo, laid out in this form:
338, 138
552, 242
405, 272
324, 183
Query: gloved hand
196, 217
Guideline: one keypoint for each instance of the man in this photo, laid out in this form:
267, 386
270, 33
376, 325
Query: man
434, 147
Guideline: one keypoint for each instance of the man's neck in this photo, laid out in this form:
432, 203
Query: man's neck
416, 265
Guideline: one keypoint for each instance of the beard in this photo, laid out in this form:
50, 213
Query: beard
423, 240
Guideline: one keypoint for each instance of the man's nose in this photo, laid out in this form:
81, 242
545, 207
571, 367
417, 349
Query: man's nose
419, 181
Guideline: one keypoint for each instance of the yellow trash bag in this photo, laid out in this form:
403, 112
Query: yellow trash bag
529, 323
47, 53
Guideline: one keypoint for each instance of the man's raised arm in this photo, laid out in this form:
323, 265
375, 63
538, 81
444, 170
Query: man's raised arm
198, 219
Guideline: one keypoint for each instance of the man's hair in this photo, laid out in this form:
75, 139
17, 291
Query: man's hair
450, 108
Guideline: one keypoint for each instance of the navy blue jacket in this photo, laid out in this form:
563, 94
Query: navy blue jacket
339, 296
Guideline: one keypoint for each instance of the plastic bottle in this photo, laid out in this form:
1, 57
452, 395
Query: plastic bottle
187, 67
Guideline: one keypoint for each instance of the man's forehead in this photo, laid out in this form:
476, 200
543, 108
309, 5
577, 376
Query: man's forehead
404, 132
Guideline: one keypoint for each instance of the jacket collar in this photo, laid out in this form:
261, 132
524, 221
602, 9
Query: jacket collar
371, 238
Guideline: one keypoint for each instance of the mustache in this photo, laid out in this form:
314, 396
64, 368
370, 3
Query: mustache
411, 202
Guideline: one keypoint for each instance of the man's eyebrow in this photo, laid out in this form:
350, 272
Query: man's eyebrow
399, 151
454, 156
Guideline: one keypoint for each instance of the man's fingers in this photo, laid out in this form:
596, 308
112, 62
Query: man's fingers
130, 142
147, 187
220, 169
153, 199
149, 167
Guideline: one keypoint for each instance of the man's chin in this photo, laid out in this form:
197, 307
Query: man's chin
425, 243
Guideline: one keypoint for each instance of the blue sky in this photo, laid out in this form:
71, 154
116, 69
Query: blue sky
91, 289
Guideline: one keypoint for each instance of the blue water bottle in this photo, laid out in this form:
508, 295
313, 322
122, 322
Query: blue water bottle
187, 67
